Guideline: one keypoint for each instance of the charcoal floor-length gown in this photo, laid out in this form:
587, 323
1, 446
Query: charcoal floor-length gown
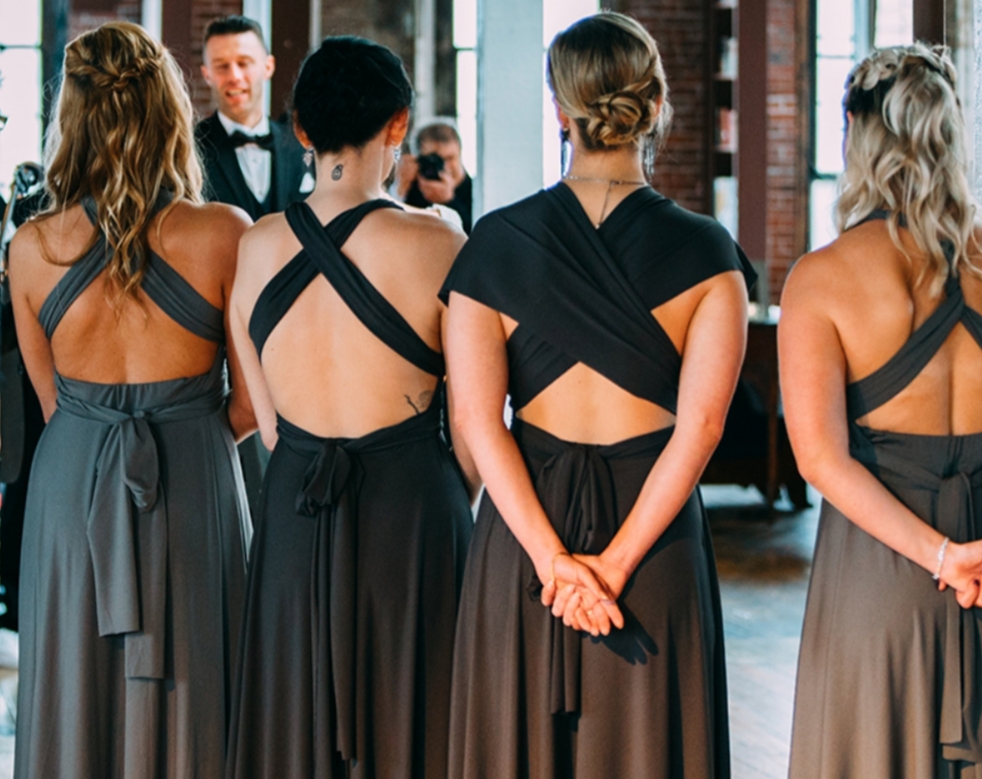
356, 567
532, 698
890, 670
133, 563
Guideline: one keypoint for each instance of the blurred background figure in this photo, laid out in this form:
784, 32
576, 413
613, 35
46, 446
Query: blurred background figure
436, 175
250, 161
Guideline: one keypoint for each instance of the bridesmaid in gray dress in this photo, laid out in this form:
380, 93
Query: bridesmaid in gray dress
136, 528
881, 368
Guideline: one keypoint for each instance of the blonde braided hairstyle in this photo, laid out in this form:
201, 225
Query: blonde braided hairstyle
123, 134
906, 153
607, 76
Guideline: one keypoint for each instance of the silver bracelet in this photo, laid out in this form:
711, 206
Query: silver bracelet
941, 551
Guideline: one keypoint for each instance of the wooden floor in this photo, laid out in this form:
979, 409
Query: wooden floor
763, 563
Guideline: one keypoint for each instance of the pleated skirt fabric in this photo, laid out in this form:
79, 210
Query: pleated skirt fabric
390, 542
80, 712
532, 698
890, 670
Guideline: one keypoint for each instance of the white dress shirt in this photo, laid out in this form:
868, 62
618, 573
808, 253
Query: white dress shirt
255, 163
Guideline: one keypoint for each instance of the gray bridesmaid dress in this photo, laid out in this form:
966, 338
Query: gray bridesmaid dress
133, 564
890, 669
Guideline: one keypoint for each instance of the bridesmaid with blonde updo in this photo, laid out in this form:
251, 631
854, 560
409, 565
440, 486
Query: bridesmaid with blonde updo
589, 640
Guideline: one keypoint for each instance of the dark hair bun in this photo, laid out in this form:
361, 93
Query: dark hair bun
347, 91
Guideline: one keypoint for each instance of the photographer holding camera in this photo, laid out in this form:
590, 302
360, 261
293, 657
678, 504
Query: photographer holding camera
436, 174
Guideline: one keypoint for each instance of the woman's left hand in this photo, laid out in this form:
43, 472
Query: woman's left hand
580, 607
581, 597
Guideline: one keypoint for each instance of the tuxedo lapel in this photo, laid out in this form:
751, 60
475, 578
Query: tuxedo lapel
287, 162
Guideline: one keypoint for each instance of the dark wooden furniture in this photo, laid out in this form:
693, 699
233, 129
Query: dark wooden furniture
755, 449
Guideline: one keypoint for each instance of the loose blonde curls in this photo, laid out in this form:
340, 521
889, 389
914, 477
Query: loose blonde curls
906, 154
123, 134
607, 75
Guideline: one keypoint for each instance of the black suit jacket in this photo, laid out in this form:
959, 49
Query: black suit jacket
224, 181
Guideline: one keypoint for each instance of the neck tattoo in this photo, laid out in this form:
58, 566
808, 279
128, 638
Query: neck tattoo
337, 173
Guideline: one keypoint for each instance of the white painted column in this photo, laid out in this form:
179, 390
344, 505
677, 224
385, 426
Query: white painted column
262, 12
509, 102
151, 17
316, 36
976, 112
424, 61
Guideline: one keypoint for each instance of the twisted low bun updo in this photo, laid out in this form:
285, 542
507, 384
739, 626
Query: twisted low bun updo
347, 91
607, 76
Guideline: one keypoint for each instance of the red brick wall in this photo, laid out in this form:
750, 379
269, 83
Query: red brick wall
787, 146
389, 22
186, 47
681, 29
83, 21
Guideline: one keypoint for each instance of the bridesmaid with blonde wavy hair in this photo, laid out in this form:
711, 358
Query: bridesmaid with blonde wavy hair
881, 371
136, 528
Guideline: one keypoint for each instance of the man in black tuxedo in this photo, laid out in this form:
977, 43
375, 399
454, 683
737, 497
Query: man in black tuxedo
250, 160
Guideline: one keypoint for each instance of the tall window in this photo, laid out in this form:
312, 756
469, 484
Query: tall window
845, 31
556, 16
20, 86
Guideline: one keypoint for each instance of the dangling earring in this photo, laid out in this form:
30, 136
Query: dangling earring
396, 154
308, 156
648, 157
565, 152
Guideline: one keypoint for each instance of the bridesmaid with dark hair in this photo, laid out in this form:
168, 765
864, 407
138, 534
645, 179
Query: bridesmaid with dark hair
355, 571
616, 321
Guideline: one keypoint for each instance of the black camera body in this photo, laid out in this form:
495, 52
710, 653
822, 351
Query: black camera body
430, 166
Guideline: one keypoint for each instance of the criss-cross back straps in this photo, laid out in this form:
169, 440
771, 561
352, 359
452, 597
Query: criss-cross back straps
365, 302
615, 333
889, 380
162, 284
282, 291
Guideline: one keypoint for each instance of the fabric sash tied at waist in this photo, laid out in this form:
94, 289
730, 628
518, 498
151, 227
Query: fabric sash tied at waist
127, 526
324, 495
329, 495
960, 732
576, 490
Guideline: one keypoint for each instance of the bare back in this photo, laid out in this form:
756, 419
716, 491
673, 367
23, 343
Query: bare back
101, 337
873, 297
325, 370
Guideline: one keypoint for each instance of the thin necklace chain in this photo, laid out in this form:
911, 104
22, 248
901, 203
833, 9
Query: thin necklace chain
611, 183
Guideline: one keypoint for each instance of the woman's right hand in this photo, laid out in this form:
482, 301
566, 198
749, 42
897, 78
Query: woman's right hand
962, 571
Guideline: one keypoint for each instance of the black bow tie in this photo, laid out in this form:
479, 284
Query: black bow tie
239, 138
